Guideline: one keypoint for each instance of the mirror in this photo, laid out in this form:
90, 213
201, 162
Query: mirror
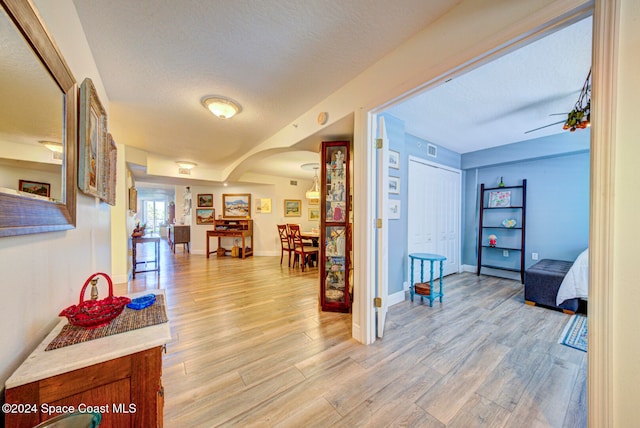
38, 105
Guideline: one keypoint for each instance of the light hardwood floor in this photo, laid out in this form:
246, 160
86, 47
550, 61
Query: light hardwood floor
251, 348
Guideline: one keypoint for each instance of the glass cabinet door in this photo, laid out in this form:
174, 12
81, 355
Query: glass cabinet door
335, 244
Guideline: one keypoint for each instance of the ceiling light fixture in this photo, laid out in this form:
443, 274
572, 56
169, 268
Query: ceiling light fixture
222, 107
53, 146
580, 116
314, 191
186, 164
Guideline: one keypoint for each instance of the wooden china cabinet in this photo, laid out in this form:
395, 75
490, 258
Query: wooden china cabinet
335, 229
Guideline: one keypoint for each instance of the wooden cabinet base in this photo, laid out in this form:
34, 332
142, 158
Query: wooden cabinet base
127, 392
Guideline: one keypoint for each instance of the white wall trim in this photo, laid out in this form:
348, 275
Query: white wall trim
600, 377
396, 298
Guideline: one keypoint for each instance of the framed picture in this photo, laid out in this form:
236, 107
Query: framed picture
110, 168
205, 200
314, 201
35, 187
500, 199
292, 208
133, 199
394, 209
394, 184
263, 205
394, 159
205, 216
236, 205
92, 130
314, 214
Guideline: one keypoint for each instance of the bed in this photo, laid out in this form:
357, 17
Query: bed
557, 284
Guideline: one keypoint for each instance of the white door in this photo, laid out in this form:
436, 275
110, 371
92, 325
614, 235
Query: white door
434, 213
382, 233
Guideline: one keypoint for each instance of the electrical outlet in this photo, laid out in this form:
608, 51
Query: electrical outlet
505, 253
534, 256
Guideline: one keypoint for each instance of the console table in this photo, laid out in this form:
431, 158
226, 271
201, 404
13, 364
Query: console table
135, 240
179, 235
431, 258
227, 228
122, 371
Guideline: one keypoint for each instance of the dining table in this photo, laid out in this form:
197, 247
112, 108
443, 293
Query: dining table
312, 236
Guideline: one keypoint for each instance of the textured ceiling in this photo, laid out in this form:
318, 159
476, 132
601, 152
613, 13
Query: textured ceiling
498, 102
279, 58
157, 59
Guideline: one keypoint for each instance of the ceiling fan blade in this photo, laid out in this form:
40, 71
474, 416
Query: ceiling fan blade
546, 126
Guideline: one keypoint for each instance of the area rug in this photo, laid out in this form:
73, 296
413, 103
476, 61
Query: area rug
575, 333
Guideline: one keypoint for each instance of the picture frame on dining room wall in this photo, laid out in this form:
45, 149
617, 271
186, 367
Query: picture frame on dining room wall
92, 130
236, 205
293, 208
205, 200
394, 159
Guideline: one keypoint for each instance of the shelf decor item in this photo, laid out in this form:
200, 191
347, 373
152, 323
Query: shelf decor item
509, 223
499, 199
95, 313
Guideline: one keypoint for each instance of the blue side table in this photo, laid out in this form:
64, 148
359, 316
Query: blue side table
431, 258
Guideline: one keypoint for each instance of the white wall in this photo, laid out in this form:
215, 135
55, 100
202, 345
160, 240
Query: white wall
43, 273
265, 232
626, 290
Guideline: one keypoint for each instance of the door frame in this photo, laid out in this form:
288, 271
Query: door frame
606, 22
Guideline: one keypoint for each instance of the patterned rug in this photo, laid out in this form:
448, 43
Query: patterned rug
129, 319
575, 333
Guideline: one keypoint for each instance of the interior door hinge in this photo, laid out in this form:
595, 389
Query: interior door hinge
377, 302
378, 223
378, 143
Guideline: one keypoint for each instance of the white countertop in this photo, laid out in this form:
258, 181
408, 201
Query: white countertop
42, 364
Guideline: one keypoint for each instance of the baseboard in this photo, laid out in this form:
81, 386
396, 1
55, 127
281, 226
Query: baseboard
396, 298
468, 268
120, 279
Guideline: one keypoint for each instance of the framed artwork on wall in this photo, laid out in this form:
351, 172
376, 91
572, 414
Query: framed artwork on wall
314, 214
292, 208
35, 187
394, 209
263, 205
394, 159
133, 199
205, 216
92, 130
394, 184
205, 200
237, 205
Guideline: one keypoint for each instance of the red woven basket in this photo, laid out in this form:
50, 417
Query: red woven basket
95, 313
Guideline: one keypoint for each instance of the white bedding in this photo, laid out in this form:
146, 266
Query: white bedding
576, 282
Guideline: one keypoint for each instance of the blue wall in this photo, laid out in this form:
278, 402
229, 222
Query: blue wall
557, 173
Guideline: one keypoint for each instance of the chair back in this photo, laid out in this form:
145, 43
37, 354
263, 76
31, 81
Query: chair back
284, 236
294, 234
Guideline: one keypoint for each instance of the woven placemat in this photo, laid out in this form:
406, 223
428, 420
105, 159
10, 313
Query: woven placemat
129, 319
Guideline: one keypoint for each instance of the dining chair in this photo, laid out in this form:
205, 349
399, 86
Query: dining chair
302, 252
285, 242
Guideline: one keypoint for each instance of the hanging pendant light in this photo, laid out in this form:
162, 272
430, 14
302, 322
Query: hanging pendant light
314, 191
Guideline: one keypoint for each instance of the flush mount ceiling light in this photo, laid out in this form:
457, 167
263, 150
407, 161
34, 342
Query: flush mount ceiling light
53, 146
186, 164
222, 107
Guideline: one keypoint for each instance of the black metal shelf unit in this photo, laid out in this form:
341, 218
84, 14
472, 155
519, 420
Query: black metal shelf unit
495, 200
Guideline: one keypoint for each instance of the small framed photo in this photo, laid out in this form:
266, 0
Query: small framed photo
314, 214
205, 200
92, 130
292, 208
263, 205
133, 199
205, 216
394, 209
237, 205
394, 159
394, 184
35, 187
499, 199
314, 201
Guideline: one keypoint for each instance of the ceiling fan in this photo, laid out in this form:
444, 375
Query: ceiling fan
580, 116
